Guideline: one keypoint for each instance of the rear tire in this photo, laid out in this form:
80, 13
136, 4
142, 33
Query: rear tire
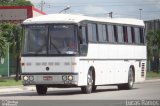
130, 83
88, 88
41, 89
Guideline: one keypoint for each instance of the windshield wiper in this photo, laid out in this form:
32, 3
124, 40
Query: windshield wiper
58, 51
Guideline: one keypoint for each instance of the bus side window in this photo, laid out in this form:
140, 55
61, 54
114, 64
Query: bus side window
84, 35
102, 33
120, 34
110, 33
83, 42
141, 35
115, 33
89, 29
129, 34
94, 33
105, 29
133, 35
137, 35
125, 34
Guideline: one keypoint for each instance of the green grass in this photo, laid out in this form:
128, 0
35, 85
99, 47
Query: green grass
10, 82
151, 74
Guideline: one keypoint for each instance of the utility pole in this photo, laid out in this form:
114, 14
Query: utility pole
110, 14
42, 5
140, 13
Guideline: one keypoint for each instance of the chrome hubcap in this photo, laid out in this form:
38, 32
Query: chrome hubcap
131, 78
90, 80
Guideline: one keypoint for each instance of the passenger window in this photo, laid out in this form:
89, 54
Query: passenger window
90, 38
102, 33
125, 34
137, 36
105, 31
133, 35
120, 34
110, 33
94, 32
129, 34
141, 35
115, 33
84, 35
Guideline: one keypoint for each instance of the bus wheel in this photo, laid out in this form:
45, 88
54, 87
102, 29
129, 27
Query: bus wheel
88, 89
130, 83
41, 89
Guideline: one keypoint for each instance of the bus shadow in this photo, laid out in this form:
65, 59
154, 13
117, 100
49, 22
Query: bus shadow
60, 92
77, 92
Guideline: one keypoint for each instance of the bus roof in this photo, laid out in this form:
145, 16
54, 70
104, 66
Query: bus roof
73, 18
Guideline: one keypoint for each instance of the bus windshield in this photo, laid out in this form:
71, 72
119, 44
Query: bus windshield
54, 39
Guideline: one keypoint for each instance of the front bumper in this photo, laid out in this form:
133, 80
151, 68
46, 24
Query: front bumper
50, 79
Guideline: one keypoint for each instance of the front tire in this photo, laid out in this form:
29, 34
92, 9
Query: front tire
88, 88
41, 89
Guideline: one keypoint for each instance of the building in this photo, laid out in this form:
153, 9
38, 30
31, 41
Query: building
16, 14
152, 24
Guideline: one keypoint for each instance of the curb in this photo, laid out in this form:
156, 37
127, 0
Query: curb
152, 80
148, 81
9, 89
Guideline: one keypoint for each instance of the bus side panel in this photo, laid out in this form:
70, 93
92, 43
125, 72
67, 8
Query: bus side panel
112, 63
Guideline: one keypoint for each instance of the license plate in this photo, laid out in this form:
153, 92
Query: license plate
47, 77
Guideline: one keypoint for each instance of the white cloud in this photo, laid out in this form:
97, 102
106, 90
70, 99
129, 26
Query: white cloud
94, 10
125, 8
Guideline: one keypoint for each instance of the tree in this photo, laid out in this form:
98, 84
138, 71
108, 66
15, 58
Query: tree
153, 45
15, 3
11, 34
4, 2
3, 45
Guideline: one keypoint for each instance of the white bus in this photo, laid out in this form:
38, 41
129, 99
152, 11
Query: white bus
68, 50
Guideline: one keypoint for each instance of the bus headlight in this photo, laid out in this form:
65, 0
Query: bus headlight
25, 78
64, 78
70, 77
31, 78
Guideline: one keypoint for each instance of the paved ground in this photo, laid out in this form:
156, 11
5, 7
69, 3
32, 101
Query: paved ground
147, 90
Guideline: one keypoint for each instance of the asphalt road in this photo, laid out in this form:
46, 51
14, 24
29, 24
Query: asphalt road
141, 91
147, 90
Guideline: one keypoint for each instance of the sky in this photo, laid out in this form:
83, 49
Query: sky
150, 9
